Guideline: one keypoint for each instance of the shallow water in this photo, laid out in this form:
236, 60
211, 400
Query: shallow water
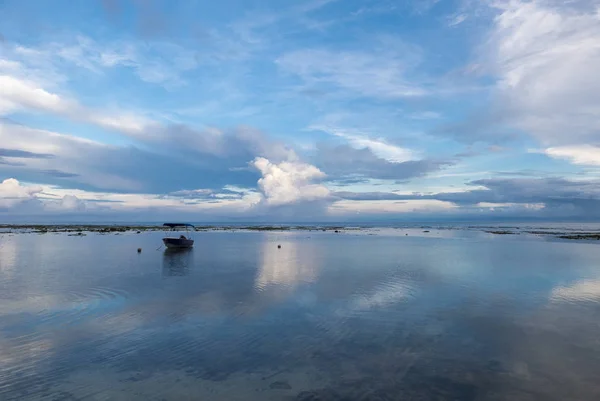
350, 316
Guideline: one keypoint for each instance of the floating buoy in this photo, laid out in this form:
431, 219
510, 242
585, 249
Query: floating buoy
139, 250
278, 246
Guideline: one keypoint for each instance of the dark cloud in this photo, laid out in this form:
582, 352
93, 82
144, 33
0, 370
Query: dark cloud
6, 154
242, 142
350, 181
358, 196
522, 173
346, 162
8, 163
560, 197
207, 194
164, 173
23, 154
550, 191
58, 173
468, 153
167, 159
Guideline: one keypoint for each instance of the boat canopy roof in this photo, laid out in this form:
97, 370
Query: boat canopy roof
173, 225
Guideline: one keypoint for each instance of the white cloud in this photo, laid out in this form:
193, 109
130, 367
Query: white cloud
253, 29
382, 73
289, 182
579, 154
457, 19
68, 203
12, 192
423, 6
10, 65
493, 205
547, 57
53, 199
380, 147
71, 202
193, 193
20, 94
345, 207
70, 155
26, 95
425, 115
154, 62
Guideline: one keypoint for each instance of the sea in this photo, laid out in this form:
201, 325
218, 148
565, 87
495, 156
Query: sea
362, 312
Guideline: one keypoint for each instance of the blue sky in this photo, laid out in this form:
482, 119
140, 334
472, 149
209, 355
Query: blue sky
303, 110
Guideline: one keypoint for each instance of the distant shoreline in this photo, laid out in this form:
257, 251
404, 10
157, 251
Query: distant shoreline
116, 228
80, 229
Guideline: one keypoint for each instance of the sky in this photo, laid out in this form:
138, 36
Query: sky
306, 110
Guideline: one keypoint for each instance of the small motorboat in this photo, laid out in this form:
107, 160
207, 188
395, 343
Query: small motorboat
182, 241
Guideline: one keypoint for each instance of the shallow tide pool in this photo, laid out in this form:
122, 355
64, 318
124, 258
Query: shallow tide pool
328, 316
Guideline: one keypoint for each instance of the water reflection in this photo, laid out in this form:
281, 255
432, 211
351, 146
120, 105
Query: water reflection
7, 254
582, 291
177, 262
338, 317
286, 264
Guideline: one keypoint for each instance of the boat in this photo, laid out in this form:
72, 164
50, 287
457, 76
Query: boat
181, 241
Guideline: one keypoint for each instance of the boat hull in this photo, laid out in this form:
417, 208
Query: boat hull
178, 243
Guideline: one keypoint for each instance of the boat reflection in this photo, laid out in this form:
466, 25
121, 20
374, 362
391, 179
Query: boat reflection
177, 262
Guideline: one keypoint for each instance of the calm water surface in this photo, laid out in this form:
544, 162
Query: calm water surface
436, 316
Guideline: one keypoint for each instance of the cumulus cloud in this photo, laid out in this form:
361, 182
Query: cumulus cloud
20, 198
542, 56
12, 192
68, 203
71, 202
191, 157
289, 182
188, 155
